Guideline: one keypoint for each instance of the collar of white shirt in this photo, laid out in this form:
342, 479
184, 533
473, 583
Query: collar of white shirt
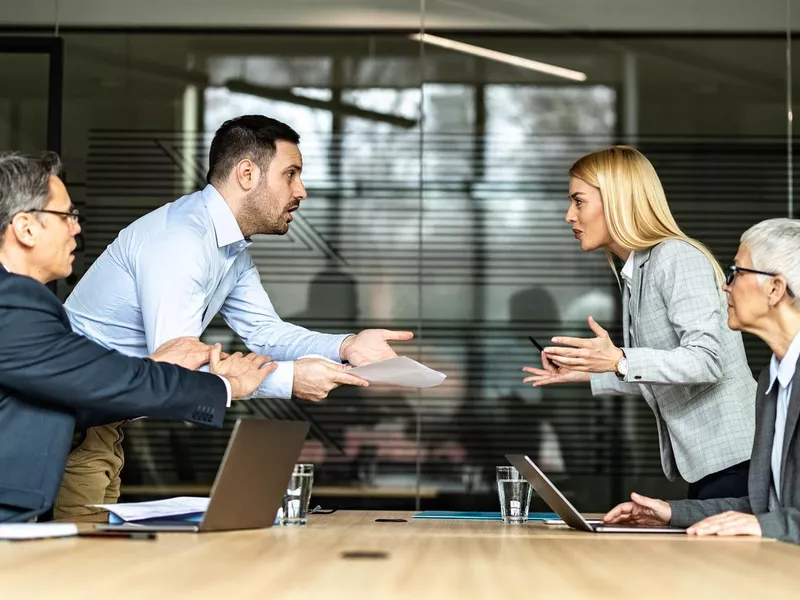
627, 270
783, 370
225, 225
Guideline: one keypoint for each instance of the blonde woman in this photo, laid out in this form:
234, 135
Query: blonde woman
678, 353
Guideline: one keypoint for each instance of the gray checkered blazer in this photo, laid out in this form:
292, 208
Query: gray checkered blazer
689, 366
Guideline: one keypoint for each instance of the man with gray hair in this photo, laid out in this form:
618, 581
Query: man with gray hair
762, 287
52, 378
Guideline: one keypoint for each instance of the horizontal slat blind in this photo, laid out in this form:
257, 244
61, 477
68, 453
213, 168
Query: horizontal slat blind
495, 262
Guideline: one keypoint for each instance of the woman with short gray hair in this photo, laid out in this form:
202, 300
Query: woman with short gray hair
774, 245
762, 287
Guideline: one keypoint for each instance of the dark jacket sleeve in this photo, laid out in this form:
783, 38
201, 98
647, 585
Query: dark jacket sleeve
782, 524
42, 358
688, 512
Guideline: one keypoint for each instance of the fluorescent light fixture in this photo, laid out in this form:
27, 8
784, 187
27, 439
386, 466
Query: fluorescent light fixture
510, 59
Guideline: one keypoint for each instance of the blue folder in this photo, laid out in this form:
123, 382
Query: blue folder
481, 516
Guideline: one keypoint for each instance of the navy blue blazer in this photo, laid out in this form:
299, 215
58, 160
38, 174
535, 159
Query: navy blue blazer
51, 376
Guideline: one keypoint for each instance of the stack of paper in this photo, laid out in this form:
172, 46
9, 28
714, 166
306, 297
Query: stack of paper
182, 508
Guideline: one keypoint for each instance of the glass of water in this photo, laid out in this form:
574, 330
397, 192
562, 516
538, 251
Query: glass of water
515, 495
298, 493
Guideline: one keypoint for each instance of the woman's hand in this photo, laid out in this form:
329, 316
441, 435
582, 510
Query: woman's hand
591, 355
549, 375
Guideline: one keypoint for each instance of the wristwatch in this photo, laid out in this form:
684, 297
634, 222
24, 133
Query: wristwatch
622, 366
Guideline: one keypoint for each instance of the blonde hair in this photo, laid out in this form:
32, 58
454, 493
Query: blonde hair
634, 204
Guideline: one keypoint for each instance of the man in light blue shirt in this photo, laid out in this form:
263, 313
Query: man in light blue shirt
170, 272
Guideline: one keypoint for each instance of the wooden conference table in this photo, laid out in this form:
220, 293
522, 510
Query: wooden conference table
349, 555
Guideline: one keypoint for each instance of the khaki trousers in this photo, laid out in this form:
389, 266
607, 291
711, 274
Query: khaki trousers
92, 475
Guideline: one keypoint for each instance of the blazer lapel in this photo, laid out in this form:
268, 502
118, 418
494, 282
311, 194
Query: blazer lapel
626, 316
640, 259
761, 460
791, 422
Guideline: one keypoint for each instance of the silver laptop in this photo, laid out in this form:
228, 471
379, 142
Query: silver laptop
560, 505
250, 482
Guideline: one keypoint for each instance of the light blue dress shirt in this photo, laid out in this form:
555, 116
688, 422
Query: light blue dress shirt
782, 371
170, 272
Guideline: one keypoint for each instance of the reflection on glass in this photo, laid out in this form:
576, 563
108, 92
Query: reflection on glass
23, 102
487, 148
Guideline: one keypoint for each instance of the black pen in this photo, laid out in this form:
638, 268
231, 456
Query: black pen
130, 535
535, 343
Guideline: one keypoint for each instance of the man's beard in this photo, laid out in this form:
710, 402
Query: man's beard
258, 214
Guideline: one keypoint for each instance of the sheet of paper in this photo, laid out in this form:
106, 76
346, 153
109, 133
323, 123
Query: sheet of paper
36, 531
402, 371
157, 509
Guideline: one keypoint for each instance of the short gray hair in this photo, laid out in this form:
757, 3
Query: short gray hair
774, 247
24, 184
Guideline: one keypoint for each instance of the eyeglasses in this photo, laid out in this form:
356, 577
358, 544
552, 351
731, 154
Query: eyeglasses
732, 270
73, 214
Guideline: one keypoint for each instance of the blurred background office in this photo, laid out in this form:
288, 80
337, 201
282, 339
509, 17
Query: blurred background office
437, 178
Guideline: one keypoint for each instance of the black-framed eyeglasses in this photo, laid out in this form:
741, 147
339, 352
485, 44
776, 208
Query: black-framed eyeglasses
73, 214
732, 270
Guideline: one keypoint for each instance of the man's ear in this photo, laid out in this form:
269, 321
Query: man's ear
23, 227
247, 174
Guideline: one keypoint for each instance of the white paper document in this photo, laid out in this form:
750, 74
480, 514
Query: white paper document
36, 531
402, 371
157, 509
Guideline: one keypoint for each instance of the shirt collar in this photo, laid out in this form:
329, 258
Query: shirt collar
783, 370
627, 269
225, 225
